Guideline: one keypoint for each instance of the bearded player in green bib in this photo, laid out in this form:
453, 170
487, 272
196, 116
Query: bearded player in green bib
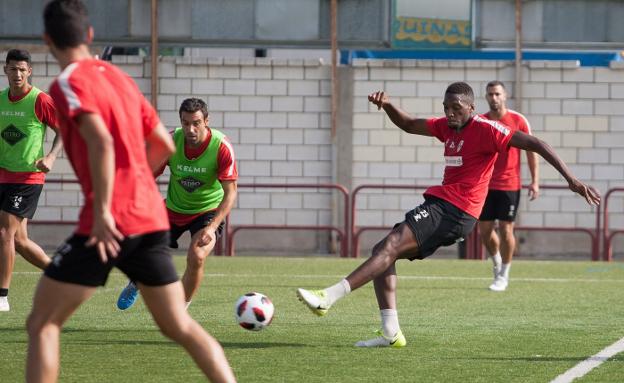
200, 194
25, 112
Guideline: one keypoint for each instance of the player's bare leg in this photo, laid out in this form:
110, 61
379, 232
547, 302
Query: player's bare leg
399, 243
166, 303
380, 268
28, 249
9, 225
491, 241
195, 259
507, 246
385, 289
53, 303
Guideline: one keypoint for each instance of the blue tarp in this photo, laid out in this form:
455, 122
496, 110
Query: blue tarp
585, 58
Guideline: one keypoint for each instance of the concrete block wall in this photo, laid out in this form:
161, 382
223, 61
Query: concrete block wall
277, 114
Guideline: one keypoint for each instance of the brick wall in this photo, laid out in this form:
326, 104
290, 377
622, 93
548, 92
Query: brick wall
277, 114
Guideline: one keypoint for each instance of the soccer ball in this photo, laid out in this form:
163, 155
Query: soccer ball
254, 311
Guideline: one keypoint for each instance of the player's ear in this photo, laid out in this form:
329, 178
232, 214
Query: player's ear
90, 34
47, 39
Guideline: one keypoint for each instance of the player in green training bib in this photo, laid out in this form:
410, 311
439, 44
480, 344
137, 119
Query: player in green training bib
25, 112
200, 194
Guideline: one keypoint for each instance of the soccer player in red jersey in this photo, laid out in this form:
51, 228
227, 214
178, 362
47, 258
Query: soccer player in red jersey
25, 114
450, 210
503, 195
115, 142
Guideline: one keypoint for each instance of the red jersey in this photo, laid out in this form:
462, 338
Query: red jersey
506, 174
46, 113
226, 171
94, 86
469, 156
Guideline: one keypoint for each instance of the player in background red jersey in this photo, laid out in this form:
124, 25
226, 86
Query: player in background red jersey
503, 198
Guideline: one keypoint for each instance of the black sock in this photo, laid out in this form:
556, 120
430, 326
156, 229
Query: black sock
4, 292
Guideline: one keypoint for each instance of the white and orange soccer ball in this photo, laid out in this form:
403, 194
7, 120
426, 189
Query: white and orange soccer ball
254, 311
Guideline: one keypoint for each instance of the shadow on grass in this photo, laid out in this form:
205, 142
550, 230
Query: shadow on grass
99, 339
260, 345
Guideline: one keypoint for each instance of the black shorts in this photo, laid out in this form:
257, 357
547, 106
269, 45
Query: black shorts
501, 205
20, 199
143, 258
437, 223
196, 225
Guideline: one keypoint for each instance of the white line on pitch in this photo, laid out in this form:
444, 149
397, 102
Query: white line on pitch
412, 277
590, 363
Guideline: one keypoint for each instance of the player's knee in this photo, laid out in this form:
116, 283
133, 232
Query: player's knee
177, 331
195, 259
508, 236
389, 245
506, 231
6, 235
486, 231
37, 325
21, 244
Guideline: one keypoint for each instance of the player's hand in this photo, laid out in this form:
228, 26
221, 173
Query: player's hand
590, 194
45, 164
379, 98
105, 237
533, 191
207, 237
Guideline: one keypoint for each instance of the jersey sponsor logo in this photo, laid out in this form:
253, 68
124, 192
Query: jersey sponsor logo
12, 113
12, 135
190, 184
191, 169
454, 160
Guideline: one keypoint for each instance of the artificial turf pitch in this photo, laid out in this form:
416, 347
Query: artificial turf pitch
553, 316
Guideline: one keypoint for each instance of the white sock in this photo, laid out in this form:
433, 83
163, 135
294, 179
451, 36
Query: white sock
337, 291
389, 322
505, 270
497, 260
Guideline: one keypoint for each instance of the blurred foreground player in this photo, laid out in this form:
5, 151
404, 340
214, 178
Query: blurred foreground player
115, 142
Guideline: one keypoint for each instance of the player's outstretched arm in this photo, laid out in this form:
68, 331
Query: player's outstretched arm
399, 117
531, 143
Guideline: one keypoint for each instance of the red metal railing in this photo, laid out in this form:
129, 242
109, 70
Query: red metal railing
218, 249
594, 234
225, 244
343, 233
474, 250
607, 237
356, 232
